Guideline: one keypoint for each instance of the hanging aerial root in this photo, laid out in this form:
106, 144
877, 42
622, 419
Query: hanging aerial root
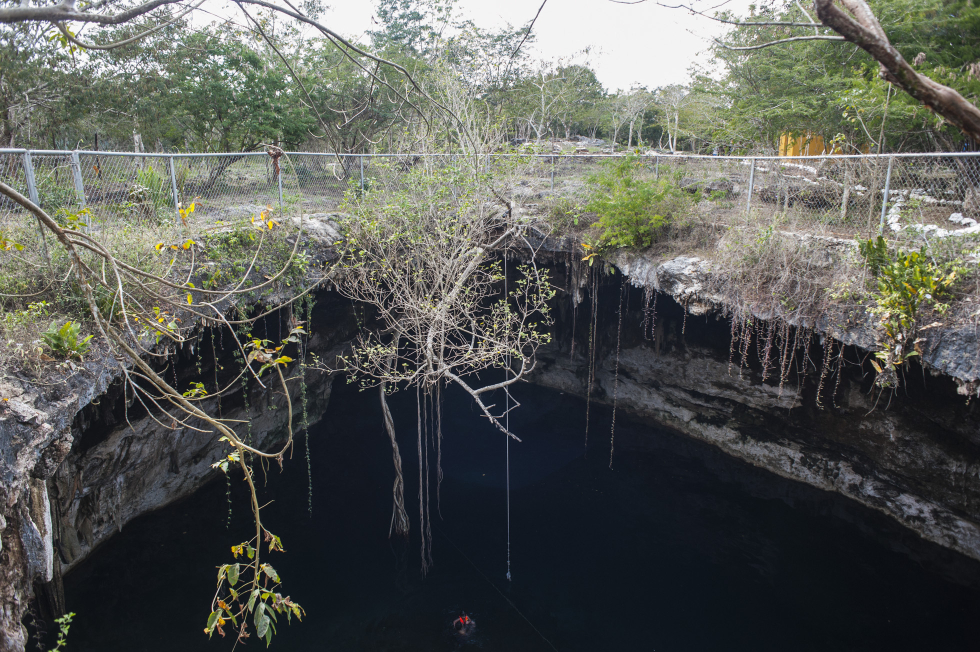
840, 372
765, 336
593, 336
647, 297
786, 359
828, 354
425, 532
731, 342
399, 517
619, 338
439, 476
746, 346
306, 314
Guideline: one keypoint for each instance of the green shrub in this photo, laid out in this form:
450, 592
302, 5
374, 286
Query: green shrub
907, 281
63, 341
55, 192
633, 212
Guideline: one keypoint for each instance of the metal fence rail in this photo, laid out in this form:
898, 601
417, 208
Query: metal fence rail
936, 192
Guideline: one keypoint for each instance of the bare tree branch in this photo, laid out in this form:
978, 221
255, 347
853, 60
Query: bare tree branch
66, 11
118, 44
529, 28
819, 37
739, 23
859, 26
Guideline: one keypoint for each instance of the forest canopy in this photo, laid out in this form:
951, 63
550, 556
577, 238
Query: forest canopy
204, 83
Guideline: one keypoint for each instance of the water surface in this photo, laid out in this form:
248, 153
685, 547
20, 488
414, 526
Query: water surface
678, 548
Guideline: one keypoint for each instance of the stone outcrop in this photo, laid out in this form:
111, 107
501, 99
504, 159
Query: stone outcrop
951, 351
35, 437
913, 455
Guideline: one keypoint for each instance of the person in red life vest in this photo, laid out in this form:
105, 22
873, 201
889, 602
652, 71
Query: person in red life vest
464, 625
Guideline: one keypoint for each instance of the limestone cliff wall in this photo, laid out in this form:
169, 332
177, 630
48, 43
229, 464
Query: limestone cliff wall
73, 472
913, 454
81, 461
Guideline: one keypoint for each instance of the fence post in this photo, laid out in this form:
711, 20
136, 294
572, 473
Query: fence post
552, 173
748, 203
76, 173
656, 167
279, 183
361, 158
884, 198
29, 176
173, 186
33, 196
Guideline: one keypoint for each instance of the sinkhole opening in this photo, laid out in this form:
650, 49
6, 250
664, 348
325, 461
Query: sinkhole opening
680, 547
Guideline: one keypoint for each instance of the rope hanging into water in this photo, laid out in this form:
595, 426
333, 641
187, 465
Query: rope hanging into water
507, 436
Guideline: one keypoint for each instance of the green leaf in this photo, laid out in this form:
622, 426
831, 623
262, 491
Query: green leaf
233, 571
261, 621
252, 599
271, 572
212, 621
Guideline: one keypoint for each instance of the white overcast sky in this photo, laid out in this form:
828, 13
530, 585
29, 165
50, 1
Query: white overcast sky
642, 43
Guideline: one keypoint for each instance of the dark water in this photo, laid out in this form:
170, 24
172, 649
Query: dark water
678, 548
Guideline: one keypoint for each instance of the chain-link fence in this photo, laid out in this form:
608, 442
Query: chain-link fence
936, 194
930, 194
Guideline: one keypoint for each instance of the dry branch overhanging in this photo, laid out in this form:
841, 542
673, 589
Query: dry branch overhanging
857, 23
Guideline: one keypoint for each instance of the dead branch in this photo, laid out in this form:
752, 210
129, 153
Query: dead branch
818, 37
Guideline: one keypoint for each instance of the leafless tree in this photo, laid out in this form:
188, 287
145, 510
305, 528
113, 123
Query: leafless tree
425, 254
635, 104
437, 297
670, 100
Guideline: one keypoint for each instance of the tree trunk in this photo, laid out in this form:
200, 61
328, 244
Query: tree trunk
859, 26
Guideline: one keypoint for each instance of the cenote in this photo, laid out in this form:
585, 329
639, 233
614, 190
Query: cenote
677, 547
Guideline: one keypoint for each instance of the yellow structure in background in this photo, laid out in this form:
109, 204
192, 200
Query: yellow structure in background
806, 144
809, 144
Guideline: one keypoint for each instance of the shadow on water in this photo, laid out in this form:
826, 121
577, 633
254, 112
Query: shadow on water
679, 548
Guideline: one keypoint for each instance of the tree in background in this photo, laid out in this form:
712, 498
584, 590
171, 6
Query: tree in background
552, 93
33, 74
233, 97
625, 109
414, 26
781, 72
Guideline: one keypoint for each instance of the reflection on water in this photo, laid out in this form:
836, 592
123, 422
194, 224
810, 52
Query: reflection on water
678, 548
